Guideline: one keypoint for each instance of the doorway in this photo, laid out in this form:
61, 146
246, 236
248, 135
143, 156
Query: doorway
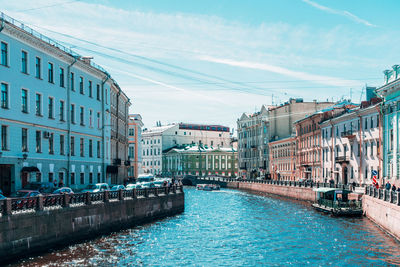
345, 171
5, 178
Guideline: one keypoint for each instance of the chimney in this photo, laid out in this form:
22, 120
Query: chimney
86, 59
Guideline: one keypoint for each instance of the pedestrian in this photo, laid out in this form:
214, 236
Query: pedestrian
354, 185
165, 183
394, 188
388, 185
55, 183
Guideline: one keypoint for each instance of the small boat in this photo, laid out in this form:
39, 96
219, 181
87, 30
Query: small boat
336, 202
207, 187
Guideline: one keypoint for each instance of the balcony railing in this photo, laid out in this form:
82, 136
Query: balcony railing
340, 159
348, 134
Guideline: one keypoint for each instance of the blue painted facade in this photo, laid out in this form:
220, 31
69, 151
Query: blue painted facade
390, 109
68, 132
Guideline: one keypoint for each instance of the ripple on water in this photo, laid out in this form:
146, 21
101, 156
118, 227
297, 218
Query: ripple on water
236, 228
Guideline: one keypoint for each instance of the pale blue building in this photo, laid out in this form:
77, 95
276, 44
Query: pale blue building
390, 93
54, 112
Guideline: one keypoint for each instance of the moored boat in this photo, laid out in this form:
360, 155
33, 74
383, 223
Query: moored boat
336, 202
208, 187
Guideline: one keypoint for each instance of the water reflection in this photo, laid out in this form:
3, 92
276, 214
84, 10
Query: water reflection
236, 228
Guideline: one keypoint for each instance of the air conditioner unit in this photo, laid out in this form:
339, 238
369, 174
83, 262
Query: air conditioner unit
46, 134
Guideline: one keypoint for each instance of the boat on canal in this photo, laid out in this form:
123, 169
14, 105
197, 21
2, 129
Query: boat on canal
208, 187
336, 202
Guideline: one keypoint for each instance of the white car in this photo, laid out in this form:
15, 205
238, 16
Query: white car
133, 186
94, 188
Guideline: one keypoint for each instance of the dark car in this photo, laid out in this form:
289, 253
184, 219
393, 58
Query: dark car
27, 193
42, 187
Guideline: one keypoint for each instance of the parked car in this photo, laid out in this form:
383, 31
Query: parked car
63, 190
27, 193
42, 187
94, 188
160, 182
2, 197
148, 185
148, 177
117, 187
133, 186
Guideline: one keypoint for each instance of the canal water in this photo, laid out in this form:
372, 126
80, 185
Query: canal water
236, 228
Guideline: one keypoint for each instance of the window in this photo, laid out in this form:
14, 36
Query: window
81, 89
372, 122
72, 178
91, 148
98, 149
24, 100
4, 136
131, 131
98, 120
38, 141
51, 175
377, 120
62, 144
51, 73
62, 108
24, 139
372, 148
51, 108
131, 152
365, 148
72, 146
24, 62
90, 89
51, 143
98, 177
72, 81
4, 95
91, 118
4, 54
90, 178
72, 113
98, 92
365, 123
82, 147
106, 96
62, 77
82, 115
38, 68
38, 101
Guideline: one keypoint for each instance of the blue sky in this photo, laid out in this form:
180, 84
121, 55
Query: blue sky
210, 61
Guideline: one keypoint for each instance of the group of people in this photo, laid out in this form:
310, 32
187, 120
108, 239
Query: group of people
389, 186
173, 181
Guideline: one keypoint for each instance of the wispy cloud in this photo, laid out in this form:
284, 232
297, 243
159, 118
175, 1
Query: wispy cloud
343, 13
320, 79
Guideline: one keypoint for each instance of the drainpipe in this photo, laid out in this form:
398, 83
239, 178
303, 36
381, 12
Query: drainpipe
360, 147
2, 22
102, 128
69, 88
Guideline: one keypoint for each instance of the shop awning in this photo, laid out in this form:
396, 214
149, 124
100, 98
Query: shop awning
30, 169
112, 169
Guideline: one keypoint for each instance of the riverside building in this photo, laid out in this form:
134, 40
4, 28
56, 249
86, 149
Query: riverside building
135, 145
162, 138
200, 160
282, 162
351, 144
273, 123
54, 112
389, 92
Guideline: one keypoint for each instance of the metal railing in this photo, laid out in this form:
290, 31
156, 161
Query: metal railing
310, 184
383, 194
11, 206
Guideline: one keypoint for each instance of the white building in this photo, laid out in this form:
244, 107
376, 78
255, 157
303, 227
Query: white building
351, 145
160, 138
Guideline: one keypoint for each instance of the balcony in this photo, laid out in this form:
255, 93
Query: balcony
342, 159
348, 134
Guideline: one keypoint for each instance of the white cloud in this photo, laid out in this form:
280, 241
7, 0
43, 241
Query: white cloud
343, 13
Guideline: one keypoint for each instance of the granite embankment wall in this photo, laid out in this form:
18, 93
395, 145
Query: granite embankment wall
383, 213
29, 233
295, 192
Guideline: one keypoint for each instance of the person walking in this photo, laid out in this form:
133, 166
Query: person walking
388, 185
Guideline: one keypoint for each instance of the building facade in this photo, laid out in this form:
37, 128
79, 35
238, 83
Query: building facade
162, 138
253, 143
272, 123
351, 145
119, 111
135, 145
54, 117
390, 93
200, 160
282, 162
